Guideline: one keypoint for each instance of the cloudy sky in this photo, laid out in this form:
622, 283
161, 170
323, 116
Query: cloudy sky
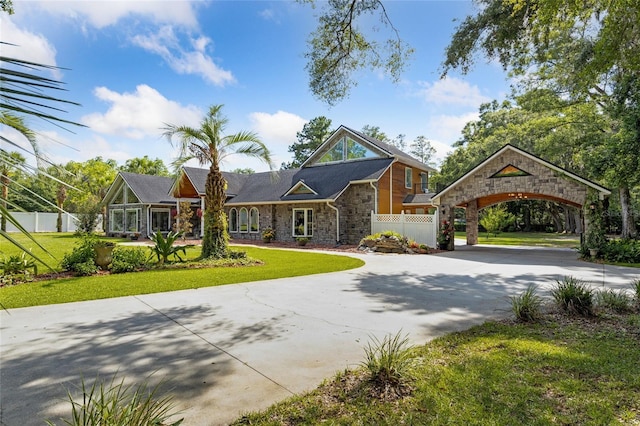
136, 65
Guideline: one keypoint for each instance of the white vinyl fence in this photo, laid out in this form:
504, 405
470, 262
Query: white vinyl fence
422, 228
46, 222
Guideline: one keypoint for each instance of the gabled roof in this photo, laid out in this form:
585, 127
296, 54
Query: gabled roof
149, 189
507, 147
198, 177
328, 182
300, 188
385, 149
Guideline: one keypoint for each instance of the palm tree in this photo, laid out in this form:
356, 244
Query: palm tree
208, 145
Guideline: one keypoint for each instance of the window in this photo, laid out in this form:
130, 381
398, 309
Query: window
408, 177
160, 220
346, 149
302, 222
233, 220
131, 197
244, 220
254, 220
116, 220
424, 182
132, 216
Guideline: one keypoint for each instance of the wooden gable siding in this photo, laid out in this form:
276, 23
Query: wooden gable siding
185, 189
394, 178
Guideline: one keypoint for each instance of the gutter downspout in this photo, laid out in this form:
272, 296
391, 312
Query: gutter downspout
337, 221
375, 197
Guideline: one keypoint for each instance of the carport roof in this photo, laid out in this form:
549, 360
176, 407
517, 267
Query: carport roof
586, 182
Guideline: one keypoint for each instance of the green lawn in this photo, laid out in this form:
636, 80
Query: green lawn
540, 239
560, 371
276, 264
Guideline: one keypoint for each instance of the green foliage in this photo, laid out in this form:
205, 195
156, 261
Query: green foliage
128, 259
574, 296
163, 247
268, 234
117, 404
617, 301
338, 48
18, 264
184, 225
312, 135
527, 307
388, 362
302, 241
495, 219
635, 288
87, 212
145, 166
81, 259
621, 251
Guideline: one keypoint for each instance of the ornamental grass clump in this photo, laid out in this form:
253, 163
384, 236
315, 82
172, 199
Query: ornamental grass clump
117, 404
527, 307
574, 296
388, 364
617, 301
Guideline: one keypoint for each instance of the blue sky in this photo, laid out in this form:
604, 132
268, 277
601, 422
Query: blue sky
135, 65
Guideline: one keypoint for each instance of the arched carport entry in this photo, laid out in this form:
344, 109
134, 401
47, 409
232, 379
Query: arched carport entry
512, 174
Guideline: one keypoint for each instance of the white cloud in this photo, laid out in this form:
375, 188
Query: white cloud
139, 114
452, 91
279, 129
104, 13
28, 46
166, 44
448, 128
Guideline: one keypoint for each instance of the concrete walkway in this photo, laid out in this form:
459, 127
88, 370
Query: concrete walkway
227, 350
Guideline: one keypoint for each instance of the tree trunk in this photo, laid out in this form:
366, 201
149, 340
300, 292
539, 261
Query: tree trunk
553, 211
526, 218
215, 238
5, 194
628, 223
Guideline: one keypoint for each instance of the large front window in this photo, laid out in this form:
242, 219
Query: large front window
244, 220
408, 177
116, 220
160, 220
233, 220
133, 223
302, 222
254, 220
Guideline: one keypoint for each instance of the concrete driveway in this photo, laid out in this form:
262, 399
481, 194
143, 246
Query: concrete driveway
227, 350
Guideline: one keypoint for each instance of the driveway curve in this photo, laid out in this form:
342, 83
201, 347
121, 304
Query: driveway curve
231, 349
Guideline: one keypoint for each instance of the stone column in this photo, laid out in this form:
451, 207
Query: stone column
472, 222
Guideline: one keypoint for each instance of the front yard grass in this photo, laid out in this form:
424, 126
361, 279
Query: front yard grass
559, 371
276, 264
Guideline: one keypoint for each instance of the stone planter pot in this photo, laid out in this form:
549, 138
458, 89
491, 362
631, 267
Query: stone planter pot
103, 256
593, 252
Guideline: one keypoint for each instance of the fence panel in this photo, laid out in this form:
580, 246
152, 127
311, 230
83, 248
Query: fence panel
422, 228
46, 222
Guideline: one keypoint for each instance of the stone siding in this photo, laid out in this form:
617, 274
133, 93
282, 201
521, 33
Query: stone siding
542, 180
355, 205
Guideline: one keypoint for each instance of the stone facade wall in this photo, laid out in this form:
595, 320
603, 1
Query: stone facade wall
355, 205
542, 180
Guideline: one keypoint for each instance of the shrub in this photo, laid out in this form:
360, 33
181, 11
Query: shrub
237, 254
388, 362
128, 259
163, 247
18, 264
574, 296
635, 289
617, 301
81, 259
527, 306
621, 251
115, 404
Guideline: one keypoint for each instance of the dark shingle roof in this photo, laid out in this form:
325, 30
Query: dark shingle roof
198, 177
148, 188
419, 198
327, 181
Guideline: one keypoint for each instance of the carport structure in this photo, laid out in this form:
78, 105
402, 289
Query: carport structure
512, 174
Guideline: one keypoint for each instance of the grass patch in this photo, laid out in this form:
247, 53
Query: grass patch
276, 264
538, 239
561, 370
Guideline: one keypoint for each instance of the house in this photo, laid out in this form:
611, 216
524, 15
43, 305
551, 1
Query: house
139, 205
329, 199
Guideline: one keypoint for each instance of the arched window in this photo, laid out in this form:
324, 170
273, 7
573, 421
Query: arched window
244, 220
254, 220
233, 220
